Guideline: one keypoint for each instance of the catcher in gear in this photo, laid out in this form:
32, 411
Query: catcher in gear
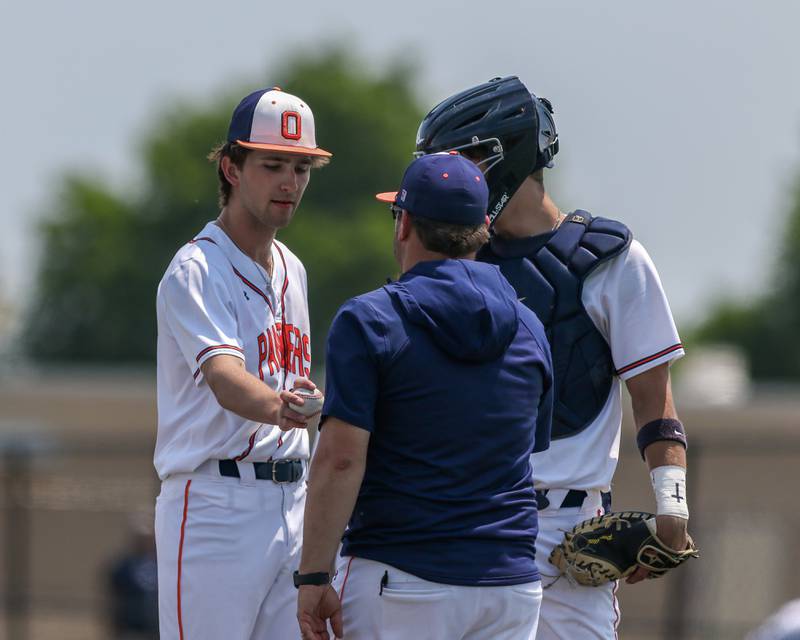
608, 321
613, 546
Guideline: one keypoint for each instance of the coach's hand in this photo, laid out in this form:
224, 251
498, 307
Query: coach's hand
672, 532
315, 606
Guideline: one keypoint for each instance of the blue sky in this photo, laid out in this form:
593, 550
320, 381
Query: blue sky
680, 119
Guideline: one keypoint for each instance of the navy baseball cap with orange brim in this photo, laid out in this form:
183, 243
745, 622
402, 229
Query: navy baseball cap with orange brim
446, 187
273, 120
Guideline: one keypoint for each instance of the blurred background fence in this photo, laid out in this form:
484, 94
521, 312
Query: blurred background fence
77, 489
69, 518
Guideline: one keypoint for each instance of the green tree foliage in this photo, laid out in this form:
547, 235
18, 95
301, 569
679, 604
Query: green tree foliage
105, 251
767, 329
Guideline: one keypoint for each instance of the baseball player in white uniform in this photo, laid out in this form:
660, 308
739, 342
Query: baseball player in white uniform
784, 624
608, 321
233, 340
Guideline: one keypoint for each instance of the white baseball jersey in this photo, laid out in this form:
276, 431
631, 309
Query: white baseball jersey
214, 299
627, 304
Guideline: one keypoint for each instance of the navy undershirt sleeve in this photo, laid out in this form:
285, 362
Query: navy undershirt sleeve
351, 367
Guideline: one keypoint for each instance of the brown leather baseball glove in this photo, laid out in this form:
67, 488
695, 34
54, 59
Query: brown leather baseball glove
610, 547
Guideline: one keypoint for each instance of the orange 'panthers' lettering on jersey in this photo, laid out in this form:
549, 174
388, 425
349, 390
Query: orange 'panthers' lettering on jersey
307, 352
262, 354
284, 347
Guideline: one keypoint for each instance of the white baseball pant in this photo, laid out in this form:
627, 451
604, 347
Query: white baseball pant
227, 548
380, 602
572, 612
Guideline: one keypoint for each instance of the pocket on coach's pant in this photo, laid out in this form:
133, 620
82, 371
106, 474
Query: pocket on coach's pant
401, 586
413, 609
414, 593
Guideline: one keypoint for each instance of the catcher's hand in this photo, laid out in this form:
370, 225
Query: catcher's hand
612, 546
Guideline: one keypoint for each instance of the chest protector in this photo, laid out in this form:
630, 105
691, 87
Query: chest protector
548, 278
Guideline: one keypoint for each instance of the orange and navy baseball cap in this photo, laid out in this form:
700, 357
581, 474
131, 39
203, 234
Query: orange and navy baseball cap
273, 120
446, 187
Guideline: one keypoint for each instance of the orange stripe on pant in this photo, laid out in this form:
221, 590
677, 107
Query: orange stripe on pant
344, 582
180, 553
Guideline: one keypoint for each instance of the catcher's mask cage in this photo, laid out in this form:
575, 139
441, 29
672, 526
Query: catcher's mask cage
512, 128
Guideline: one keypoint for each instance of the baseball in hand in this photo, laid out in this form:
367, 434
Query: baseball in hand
312, 401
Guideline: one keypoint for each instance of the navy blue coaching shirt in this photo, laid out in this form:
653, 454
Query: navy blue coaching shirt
451, 375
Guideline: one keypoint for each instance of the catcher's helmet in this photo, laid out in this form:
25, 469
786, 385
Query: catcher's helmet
513, 127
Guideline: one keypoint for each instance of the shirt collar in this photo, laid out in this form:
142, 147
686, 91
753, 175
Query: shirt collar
240, 261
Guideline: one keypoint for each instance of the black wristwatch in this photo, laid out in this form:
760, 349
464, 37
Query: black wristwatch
320, 578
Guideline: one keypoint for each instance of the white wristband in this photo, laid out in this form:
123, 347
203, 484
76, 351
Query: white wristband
669, 485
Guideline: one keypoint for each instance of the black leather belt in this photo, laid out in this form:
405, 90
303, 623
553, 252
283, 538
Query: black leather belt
289, 470
574, 498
